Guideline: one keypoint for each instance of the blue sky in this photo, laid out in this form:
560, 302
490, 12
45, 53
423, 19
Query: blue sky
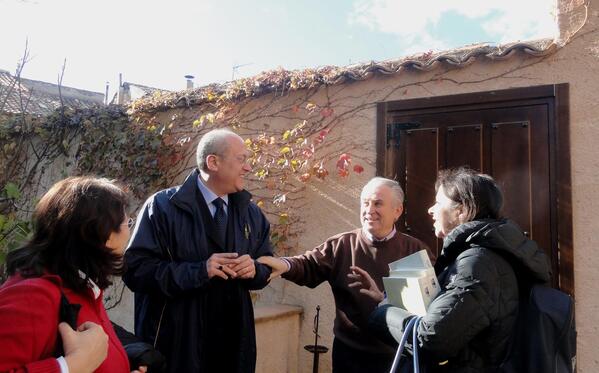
156, 43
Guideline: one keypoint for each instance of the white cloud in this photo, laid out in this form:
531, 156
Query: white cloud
523, 20
411, 21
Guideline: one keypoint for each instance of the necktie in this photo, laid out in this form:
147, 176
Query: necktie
220, 219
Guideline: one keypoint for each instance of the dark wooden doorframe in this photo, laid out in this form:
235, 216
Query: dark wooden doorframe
557, 98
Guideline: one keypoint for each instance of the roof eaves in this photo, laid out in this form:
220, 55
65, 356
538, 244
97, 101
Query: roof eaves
284, 80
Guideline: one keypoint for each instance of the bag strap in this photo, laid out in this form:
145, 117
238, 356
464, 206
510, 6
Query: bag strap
68, 313
415, 344
402, 343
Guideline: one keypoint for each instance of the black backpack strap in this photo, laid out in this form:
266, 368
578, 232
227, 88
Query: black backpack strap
68, 313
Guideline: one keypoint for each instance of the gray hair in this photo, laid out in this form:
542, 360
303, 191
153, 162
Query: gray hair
213, 142
391, 184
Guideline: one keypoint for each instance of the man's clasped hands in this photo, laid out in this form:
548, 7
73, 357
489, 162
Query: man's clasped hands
231, 266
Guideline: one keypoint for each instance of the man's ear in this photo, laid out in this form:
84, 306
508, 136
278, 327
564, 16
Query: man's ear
212, 162
399, 210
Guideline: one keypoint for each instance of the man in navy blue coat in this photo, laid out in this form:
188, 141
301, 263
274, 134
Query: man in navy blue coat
191, 263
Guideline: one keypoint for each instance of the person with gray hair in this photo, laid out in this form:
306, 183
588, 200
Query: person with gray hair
354, 263
191, 263
213, 142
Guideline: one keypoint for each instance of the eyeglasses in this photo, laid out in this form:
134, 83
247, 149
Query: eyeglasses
243, 159
130, 222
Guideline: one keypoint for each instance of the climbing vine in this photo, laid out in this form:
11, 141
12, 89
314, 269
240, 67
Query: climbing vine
147, 151
37, 151
283, 159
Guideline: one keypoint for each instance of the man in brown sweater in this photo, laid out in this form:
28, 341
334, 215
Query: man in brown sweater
354, 264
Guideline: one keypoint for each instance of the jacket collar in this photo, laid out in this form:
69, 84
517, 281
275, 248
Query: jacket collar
455, 242
504, 237
463, 232
186, 196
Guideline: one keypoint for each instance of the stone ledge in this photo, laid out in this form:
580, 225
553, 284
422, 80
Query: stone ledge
275, 311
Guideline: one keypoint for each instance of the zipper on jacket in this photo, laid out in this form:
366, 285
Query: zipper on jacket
159, 324
163, 307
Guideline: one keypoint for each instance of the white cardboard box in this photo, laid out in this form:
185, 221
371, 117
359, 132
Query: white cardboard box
412, 283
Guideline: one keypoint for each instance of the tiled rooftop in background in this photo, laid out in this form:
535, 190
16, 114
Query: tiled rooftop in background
41, 98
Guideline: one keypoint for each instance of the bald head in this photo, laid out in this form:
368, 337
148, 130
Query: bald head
214, 142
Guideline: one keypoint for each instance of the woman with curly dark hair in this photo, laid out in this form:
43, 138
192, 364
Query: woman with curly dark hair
81, 230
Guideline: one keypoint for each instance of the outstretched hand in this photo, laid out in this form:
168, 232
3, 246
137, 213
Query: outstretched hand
277, 265
363, 280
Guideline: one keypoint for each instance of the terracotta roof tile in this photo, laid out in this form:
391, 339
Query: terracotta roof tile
284, 80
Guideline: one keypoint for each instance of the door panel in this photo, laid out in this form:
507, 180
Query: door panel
421, 149
511, 144
510, 165
459, 155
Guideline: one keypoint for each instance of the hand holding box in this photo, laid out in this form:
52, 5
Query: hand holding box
412, 283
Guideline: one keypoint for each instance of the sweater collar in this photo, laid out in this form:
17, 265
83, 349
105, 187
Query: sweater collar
371, 238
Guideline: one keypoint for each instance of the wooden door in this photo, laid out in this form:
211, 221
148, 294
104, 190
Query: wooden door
514, 140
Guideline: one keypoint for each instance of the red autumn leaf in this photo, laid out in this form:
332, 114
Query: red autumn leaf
295, 108
358, 169
307, 153
326, 112
305, 177
342, 164
343, 172
321, 172
345, 157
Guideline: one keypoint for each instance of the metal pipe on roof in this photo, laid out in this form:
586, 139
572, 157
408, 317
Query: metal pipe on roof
189, 81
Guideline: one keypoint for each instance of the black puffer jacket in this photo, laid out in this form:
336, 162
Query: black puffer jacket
470, 322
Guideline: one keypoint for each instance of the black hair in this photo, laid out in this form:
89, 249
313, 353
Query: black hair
72, 223
477, 192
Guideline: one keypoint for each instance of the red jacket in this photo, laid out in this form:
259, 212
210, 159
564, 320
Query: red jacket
29, 325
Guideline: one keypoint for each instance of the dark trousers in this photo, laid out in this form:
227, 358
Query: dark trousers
349, 360
223, 328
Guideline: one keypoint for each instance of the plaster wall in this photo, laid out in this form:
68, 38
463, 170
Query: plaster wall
277, 338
